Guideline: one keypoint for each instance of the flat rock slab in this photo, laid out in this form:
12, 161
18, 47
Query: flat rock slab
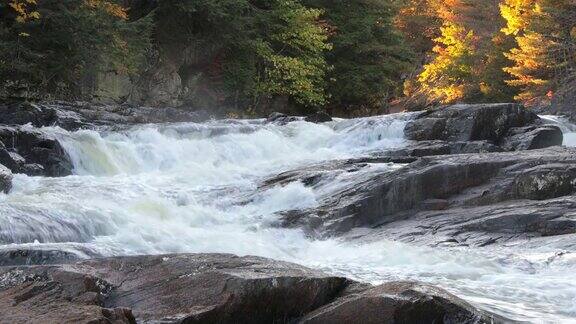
202, 288
475, 199
214, 288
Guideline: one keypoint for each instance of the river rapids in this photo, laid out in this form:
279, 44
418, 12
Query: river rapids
192, 187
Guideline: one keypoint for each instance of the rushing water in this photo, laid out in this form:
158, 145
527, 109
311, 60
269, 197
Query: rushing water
568, 128
182, 188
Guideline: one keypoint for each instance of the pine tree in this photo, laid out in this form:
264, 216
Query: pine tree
369, 55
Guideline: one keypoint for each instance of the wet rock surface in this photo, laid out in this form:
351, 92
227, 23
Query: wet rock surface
399, 302
468, 199
213, 288
499, 127
75, 115
5, 179
29, 151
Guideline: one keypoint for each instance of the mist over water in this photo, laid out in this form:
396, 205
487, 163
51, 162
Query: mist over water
193, 188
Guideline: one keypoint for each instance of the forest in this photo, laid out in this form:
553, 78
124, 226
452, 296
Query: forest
349, 57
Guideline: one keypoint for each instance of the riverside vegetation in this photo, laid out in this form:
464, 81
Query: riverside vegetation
256, 56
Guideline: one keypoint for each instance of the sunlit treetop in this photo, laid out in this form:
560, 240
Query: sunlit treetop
24, 10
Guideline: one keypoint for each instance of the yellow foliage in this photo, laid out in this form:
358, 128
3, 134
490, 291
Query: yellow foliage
110, 7
444, 79
23, 10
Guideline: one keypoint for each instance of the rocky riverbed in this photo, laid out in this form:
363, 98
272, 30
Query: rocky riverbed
378, 204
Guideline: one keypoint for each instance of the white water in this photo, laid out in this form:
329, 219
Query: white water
183, 187
568, 128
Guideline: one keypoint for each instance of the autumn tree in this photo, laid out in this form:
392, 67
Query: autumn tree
466, 60
545, 53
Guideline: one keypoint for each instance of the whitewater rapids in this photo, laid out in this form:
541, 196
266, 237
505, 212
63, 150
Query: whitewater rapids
154, 189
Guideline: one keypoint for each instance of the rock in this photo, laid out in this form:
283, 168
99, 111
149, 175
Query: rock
489, 122
32, 152
280, 118
546, 182
38, 256
533, 137
5, 179
38, 115
203, 288
399, 302
470, 197
318, 117
426, 129
27, 113
211, 288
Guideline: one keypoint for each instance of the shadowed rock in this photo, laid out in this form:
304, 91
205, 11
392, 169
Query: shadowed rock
5, 179
318, 117
15, 256
501, 127
489, 122
33, 152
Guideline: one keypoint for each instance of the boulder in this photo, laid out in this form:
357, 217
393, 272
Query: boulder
318, 117
12, 256
32, 152
399, 302
203, 288
489, 122
211, 288
23, 113
533, 137
5, 179
38, 115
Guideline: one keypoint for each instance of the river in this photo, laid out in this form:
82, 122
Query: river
192, 187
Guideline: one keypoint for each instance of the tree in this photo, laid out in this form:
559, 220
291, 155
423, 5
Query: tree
467, 59
369, 55
544, 59
450, 75
71, 42
258, 49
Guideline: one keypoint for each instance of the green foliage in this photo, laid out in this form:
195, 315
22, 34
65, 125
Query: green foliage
71, 42
369, 54
269, 48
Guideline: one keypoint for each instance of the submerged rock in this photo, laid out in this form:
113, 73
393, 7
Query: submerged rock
280, 118
38, 256
212, 288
